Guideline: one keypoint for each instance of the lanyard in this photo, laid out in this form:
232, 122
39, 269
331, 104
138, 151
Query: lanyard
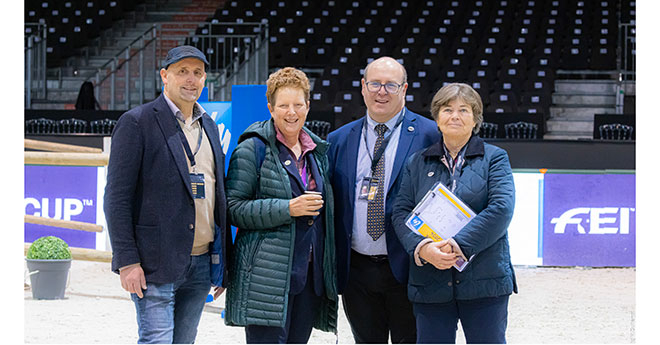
378, 154
455, 168
303, 171
186, 146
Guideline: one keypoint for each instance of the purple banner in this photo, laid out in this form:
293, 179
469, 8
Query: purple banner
61, 192
589, 220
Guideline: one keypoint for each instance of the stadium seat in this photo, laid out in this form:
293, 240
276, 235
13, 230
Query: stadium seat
521, 130
488, 130
615, 131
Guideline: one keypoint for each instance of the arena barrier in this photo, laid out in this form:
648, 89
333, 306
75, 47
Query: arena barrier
67, 155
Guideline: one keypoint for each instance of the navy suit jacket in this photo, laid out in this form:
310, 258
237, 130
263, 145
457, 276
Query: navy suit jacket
417, 132
148, 203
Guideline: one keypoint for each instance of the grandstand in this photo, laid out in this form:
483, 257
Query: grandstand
559, 65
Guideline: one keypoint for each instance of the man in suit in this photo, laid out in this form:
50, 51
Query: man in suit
165, 204
367, 156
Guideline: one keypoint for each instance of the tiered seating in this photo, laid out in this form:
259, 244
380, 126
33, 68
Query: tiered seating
508, 50
72, 23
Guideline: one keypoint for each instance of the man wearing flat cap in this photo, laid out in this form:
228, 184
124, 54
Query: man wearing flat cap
165, 204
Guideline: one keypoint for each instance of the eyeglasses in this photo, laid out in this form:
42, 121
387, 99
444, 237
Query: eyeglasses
374, 86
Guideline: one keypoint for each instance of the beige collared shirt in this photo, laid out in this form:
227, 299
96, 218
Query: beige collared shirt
205, 164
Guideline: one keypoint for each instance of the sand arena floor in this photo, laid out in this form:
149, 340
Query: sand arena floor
555, 305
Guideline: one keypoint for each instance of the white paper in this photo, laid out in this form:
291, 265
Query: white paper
440, 215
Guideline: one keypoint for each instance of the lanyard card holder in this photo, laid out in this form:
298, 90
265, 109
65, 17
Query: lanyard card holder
197, 186
369, 188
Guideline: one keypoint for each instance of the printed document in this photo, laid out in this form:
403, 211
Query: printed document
439, 216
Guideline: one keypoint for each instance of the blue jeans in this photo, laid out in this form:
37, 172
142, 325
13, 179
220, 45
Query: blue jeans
170, 313
484, 321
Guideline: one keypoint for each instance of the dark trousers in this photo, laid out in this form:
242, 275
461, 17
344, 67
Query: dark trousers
376, 304
483, 320
301, 312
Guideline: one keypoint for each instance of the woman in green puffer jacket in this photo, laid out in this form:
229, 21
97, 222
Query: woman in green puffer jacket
282, 271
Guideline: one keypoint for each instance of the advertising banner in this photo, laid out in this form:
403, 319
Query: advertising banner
524, 233
220, 112
61, 192
589, 220
248, 106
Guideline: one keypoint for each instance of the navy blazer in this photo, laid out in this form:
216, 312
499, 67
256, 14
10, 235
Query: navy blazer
148, 203
417, 132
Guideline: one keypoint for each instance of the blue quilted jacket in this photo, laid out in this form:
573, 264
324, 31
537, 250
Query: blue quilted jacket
486, 186
258, 203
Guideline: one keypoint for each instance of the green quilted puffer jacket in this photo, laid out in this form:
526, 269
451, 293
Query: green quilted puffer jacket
260, 267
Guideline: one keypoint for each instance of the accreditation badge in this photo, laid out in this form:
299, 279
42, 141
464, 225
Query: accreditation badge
197, 186
369, 188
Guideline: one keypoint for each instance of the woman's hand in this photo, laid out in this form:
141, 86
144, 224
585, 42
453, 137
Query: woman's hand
439, 254
305, 205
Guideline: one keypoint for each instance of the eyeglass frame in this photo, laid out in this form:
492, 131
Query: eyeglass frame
380, 85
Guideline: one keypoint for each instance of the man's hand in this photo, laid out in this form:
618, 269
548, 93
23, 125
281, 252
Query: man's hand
438, 254
217, 291
132, 280
305, 205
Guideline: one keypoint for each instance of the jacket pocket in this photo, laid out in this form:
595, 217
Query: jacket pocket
252, 253
147, 238
422, 275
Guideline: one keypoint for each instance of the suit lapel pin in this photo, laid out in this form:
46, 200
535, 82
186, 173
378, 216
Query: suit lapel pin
431, 173
287, 162
411, 129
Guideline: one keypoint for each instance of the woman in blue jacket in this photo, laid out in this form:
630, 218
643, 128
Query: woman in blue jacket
480, 175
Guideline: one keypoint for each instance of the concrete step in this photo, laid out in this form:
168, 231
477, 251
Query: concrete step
66, 83
53, 105
567, 135
63, 95
587, 98
586, 86
554, 125
580, 111
119, 96
573, 116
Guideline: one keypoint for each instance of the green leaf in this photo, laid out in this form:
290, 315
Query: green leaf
49, 248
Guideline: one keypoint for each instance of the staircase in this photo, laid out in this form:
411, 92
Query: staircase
175, 21
574, 104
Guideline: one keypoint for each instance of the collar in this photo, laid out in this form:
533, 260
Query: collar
447, 154
371, 123
474, 147
306, 142
198, 111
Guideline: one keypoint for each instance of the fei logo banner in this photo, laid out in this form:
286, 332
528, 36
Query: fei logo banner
589, 220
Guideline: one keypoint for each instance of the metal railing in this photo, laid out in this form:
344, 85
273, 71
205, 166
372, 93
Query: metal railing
626, 61
628, 47
35, 62
130, 58
237, 53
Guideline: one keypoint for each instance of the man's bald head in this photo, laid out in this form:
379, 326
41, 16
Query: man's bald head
386, 60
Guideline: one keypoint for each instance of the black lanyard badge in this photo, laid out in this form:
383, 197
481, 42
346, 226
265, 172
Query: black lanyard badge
369, 186
197, 185
196, 180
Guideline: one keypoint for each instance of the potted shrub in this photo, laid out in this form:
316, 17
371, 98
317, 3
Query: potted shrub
48, 260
